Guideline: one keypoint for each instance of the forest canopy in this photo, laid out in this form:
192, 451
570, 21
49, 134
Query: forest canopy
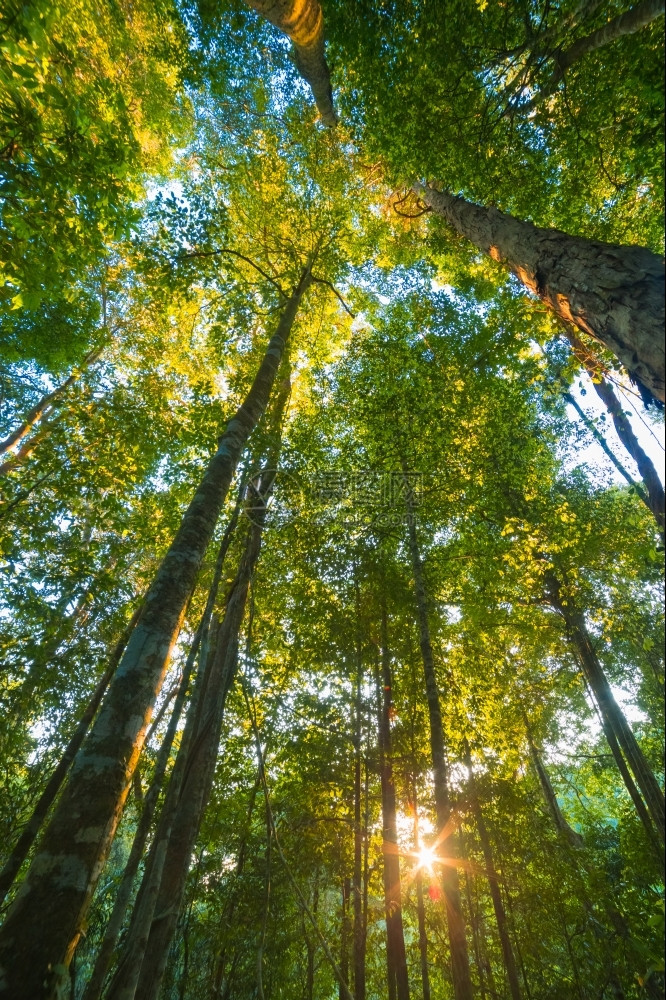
331, 500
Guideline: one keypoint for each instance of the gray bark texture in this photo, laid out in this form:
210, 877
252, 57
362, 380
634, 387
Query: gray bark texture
303, 22
613, 293
43, 926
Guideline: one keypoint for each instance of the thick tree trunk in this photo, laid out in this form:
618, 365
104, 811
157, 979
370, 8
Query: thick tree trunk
31, 830
611, 712
158, 907
495, 894
107, 948
627, 23
653, 496
303, 22
46, 405
41, 931
613, 293
395, 939
445, 840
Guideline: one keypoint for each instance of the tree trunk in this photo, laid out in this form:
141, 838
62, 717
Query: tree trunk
495, 894
57, 890
613, 293
344, 939
603, 444
396, 958
46, 405
561, 825
29, 833
303, 22
653, 496
445, 840
420, 907
357, 883
107, 948
610, 711
627, 23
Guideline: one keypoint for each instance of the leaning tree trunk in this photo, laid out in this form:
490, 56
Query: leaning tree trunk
613, 293
653, 496
46, 405
303, 22
558, 817
43, 927
462, 983
107, 948
395, 938
611, 712
495, 894
142, 966
30, 831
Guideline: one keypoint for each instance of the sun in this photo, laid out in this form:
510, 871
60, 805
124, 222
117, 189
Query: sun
425, 857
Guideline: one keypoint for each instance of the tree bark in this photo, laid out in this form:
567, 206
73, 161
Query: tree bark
615, 294
561, 825
495, 894
420, 906
303, 22
46, 405
43, 926
158, 907
653, 497
29, 833
357, 882
107, 948
611, 712
344, 938
462, 983
396, 958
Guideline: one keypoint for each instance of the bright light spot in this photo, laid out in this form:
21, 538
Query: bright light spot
426, 857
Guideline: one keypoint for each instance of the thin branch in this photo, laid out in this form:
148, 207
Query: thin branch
323, 281
235, 253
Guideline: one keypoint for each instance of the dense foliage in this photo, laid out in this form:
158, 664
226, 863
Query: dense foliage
447, 530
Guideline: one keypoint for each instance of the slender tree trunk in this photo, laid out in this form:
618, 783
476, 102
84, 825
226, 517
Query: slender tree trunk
653, 496
603, 444
357, 884
266, 909
561, 825
344, 939
303, 22
420, 906
627, 23
396, 958
230, 906
630, 785
57, 890
610, 711
46, 405
495, 894
445, 840
29, 833
613, 293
